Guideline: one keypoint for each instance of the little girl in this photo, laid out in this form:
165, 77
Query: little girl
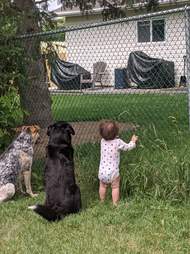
111, 146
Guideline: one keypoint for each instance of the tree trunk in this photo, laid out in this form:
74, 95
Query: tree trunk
34, 93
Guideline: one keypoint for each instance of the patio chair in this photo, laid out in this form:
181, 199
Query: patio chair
99, 69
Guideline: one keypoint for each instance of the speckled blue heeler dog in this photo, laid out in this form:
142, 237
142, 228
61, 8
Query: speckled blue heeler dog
16, 163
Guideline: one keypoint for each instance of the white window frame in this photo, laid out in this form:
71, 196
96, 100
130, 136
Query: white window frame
151, 32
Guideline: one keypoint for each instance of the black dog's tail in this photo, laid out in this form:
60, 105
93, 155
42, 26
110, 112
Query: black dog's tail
46, 212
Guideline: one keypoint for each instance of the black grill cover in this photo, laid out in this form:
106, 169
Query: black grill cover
66, 75
147, 72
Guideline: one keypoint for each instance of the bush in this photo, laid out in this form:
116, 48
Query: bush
10, 116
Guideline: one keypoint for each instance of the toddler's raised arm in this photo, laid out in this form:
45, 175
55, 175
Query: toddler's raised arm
127, 146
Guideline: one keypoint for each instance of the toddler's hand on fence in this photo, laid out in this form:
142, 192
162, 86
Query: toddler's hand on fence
134, 138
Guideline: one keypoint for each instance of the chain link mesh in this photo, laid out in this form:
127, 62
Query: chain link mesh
133, 70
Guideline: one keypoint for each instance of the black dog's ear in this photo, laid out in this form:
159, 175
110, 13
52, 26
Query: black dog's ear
71, 130
49, 129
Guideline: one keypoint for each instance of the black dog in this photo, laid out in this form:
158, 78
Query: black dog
62, 193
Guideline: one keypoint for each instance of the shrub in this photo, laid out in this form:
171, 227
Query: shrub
10, 116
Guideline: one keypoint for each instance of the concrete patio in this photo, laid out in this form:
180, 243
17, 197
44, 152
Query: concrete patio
112, 90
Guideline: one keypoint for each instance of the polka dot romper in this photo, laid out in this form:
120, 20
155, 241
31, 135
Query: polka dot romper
110, 158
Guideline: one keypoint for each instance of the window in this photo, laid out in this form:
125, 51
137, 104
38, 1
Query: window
158, 30
153, 30
143, 31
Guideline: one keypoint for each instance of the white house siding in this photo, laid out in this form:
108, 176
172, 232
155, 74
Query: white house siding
114, 43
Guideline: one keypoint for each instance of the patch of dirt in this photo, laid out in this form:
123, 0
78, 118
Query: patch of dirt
85, 132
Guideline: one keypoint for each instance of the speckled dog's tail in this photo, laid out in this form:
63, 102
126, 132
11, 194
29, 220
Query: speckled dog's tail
46, 212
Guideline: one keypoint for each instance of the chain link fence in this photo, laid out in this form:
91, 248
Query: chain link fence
134, 70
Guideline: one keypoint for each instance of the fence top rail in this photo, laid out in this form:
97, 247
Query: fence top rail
104, 23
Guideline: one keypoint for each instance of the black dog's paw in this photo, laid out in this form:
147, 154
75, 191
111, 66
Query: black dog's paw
32, 207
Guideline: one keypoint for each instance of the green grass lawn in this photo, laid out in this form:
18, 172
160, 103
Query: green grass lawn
143, 226
154, 213
141, 109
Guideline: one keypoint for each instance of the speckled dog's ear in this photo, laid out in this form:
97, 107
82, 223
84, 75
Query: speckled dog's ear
18, 129
26, 128
34, 128
21, 128
37, 127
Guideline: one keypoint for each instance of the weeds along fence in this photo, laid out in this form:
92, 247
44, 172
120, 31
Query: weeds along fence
133, 70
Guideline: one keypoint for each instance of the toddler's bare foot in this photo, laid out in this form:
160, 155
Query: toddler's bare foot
115, 204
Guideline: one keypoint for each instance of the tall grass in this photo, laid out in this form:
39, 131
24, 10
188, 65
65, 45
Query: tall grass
159, 167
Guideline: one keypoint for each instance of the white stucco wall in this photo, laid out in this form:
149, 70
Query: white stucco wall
114, 43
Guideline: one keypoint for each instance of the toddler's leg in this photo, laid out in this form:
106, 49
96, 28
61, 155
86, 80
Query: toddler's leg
115, 190
102, 191
115, 196
7, 192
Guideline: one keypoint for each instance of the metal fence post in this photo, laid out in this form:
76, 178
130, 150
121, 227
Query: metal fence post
187, 39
